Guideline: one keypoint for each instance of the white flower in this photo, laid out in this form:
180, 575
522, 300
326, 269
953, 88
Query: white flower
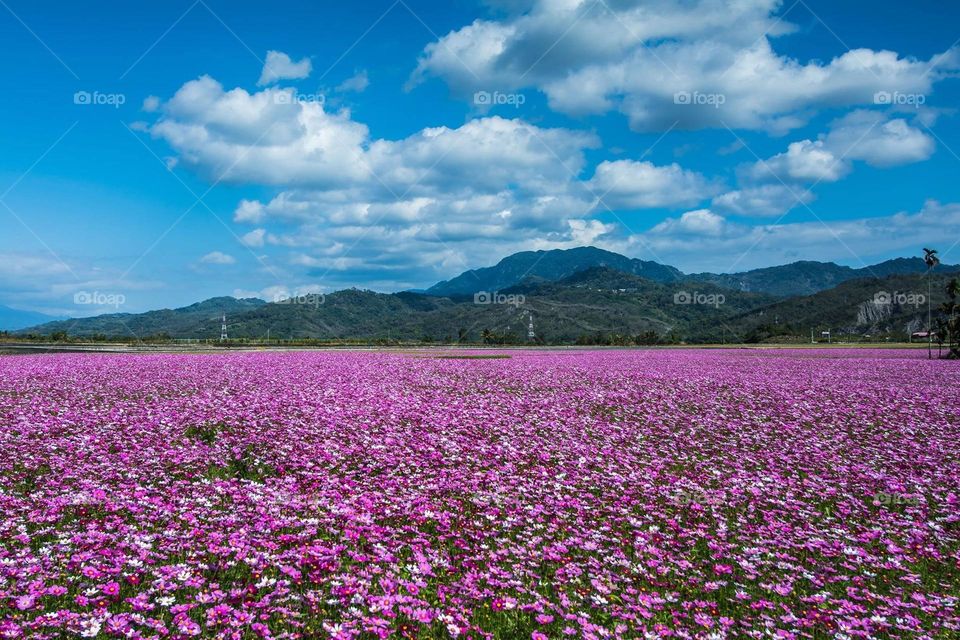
90, 628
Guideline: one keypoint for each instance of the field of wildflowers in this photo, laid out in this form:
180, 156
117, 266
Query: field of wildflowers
616, 494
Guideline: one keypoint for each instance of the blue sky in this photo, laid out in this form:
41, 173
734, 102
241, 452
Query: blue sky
158, 155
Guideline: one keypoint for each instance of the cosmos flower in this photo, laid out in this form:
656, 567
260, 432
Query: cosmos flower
582, 494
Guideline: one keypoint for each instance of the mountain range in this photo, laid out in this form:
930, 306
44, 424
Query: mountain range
571, 295
12, 319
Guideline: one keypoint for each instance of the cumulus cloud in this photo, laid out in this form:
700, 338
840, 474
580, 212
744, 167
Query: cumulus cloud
351, 208
806, 160
218, 257
763, 200
880, 142
440, 196
696, 64
254, 238
279, 66
357, 83
699, 241
628, 184
151, 104
864, 135
701, 222
267, 137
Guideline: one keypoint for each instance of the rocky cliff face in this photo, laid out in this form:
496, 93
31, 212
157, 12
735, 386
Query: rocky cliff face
872, 313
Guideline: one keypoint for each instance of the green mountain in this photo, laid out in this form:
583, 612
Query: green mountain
895, 304
795, 279
555, 264
180, 323
598, 300
570, 298
807, 277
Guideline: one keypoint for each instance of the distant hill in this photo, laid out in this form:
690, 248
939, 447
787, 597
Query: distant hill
173, 322
555, 264
807, 277
570, 296
13, 319
596, 300
795, 279
865, 306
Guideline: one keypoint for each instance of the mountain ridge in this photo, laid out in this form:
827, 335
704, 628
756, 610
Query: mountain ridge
802, 277
12, 319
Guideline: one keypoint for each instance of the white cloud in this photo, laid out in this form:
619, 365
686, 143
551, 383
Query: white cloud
628, 184
254, 238
382, 207
764, 200
806, 160
357, 83
266, 137
701, 222
633, 57
704, 243
218, 257
14, 266
151, 104
860, 135
279, 66
388, 214
869, 136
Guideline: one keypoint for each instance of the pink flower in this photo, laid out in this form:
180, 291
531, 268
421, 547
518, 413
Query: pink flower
544, 618
536, 635
703, 620
111, 588
422, 615
25, 602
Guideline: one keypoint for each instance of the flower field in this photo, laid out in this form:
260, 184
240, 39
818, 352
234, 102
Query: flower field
561, 494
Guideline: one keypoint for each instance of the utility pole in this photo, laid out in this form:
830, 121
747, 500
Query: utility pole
223, 328
931, 260
929, 324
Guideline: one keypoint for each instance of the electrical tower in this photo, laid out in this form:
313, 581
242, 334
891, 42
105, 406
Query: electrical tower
223, 328
530, 334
